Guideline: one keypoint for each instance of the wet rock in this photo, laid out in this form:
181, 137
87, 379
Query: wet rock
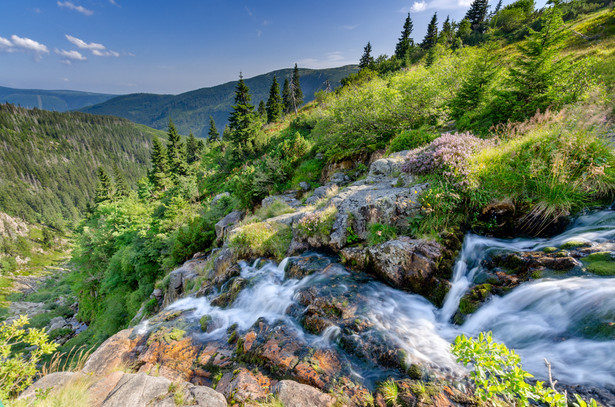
246, 386
232, 290
498, 219
224, 266
299, 267
226, 224
293, 394
169, 355
113, 353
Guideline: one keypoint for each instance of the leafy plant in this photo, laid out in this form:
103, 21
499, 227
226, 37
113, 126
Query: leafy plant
379, 233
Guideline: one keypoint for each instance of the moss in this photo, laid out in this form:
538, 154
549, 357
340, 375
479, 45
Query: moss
204, 322
470, 302
574, 244
549, 249
415, 372
601, 263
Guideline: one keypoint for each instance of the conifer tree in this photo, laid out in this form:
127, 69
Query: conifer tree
477, 14
367, 59
405, 43
274, 103
447, 35
104, 187
121, 186
286, 97
262, 110
498, 7
213, 131
226, 133
431, 38
297, 88
242, 122
160, 166
176, 152
192, 147
328, 86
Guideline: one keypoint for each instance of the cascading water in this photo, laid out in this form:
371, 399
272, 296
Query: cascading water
550, 318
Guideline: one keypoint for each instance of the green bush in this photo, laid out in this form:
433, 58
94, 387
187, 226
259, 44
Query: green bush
276, 208
379, 233
411, 139
317, 224
263, 239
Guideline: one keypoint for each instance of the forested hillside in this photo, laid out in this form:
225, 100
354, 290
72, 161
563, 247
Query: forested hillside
190, 111
48, 161
57, 100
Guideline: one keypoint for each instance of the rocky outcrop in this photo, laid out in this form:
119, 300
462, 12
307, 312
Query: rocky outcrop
226, 224
112, 354
293, 394
289, 198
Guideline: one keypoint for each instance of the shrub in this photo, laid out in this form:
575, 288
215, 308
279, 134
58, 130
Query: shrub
411, 139
317, 224
263, 239
18, 368
276, 208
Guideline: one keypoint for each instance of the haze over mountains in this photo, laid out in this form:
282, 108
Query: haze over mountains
57, 100
190, 111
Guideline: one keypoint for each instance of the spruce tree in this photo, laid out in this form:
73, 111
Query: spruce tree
262, 110
176, 152
121, 186
242, 122
274, 103
213, 131
297, 88
366, 60
477, 14
104, 187
405, 43
226, 133
286, 97
192, 147
158, 175
431, 38
447, 35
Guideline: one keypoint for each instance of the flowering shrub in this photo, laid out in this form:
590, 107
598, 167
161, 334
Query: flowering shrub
447, 155
317, 224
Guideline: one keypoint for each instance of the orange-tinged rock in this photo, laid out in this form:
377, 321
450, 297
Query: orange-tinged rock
174, 360
112, 354
248, 341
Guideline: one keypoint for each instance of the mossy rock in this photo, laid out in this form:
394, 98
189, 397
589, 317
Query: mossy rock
574, 244
601, 263
470, 302
549, 249
204, 322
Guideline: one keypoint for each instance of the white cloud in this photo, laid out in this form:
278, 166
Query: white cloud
250, 13
114, 3
71, 6
96, 48
418, 6
5, 43
70, 56
27, 45
330, 60
422, 5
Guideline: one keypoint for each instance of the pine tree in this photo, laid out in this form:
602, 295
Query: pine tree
213, 131
104, 187
366, 60
262, 110
158, 175
297, 88
274, 103
121, 186
447, 35
242, 122
328, 86
498, 7
431, 38
226, 133
192, 153
286, 97
405, 43
477, 14
176, 152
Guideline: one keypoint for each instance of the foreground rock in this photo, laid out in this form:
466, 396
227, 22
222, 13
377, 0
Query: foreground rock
293, 394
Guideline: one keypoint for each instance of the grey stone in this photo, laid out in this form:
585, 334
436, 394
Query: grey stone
50, 381
321, 193
339, 178
288, 198
57, 323
226, 224
293, 394
220, 196
304, 186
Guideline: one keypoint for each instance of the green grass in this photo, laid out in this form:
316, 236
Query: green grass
276, 208
262, 239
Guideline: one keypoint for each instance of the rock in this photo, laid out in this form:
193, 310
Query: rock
226, 224
141, 390
405, 263
112, 353
233, 288
169, 355
498, 219
339, 178
100, 390
246, 386
178, 279
220, 196
304, 186
321, 193
293, 394
50, 381
288, 198
299, 267
224, 266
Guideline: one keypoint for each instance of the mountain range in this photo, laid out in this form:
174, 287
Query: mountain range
57, 100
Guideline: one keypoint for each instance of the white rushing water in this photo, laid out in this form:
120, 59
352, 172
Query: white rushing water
544, 318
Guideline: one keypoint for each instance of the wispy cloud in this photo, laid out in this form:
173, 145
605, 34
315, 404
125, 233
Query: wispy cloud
349, 27
70, 56
247, 9
114, 3
422, 5
72, 6
23, 44
259, 33
330, 60
96, 48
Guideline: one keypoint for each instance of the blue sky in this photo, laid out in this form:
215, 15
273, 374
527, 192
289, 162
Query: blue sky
164, 46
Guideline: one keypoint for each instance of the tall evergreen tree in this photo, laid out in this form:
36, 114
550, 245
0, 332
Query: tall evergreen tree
287, 97
274, 103
447, 35
498, 7
297, 88
431, 38
121, 186
477, 14
262, 110
160, 166
192, 149
242, 122
367, 59
405, 43
104, 187
213, 131
176, 152
328, 86
226, 133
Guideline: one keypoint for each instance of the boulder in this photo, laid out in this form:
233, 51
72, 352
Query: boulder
112, 354
293, 394
288, 198
246, 386
304, 186
321, 193
57, 323
220, 196
226, 224
50, 381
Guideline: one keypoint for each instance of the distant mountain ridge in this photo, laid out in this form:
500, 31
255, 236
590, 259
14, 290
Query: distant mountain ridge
56, 100
190, 111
